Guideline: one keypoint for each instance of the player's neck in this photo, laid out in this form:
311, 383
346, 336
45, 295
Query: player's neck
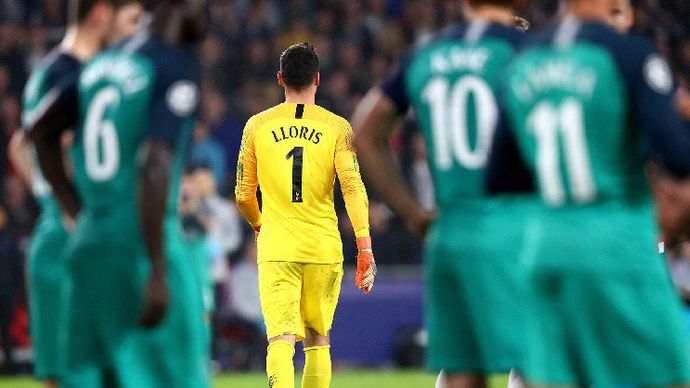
81, 43
307, 97
494, 14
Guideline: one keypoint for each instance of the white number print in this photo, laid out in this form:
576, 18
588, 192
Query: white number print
548, 121
101, 148
449, 120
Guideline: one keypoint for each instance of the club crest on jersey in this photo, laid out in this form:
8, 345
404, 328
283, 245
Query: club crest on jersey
295, 132
182, 98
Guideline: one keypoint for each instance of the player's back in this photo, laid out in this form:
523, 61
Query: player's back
452, 84
295, 148
573, 97
56, 68
569, 99
138, 90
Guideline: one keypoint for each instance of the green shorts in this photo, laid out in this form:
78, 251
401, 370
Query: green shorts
474, 293
108, 269
603, 312
46, 296
199, 253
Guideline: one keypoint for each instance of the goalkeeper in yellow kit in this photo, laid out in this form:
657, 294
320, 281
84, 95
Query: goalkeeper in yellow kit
293, 151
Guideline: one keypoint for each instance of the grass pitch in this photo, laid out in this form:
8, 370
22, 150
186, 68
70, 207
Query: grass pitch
341, 379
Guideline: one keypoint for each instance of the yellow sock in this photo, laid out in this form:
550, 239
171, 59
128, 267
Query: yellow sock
279, 366
317, 367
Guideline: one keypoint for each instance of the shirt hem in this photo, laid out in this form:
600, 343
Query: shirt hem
334, 260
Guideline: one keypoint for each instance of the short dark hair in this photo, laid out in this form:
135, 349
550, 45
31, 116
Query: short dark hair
80, 9
500, 3
299, 65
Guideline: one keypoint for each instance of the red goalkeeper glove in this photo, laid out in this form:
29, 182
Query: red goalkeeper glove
366, 266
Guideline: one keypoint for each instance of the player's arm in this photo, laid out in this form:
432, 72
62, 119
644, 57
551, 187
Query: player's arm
154, 183
506, 170
20, 155
357, 206
56, 113
375, 119
173, 106
652, 88
247, 179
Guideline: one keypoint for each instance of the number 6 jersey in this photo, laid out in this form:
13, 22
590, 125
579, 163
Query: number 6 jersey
143, 89
293, 153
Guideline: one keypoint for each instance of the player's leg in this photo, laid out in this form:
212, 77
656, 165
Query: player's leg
46, 299
173, 354
320, 295
465, 380
279, 361
515, 380
84, 356
453, 347
280, 288
317, 357
617, 344
548, 359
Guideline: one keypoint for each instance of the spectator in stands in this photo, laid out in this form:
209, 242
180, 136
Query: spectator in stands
241, 313
10, 284
20, 206
243, 287
226, 132
223, 220
207, 152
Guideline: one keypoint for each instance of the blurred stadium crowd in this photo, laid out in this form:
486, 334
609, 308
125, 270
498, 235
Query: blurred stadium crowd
357, 41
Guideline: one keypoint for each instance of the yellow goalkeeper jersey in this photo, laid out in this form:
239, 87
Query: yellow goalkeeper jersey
293, 152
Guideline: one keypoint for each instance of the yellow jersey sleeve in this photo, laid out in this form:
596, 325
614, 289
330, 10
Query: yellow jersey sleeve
354, 192
247, 179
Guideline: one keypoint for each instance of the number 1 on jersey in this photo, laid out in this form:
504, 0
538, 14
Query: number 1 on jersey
298, 154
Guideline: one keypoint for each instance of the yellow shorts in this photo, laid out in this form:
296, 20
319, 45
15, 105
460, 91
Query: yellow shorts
295, 296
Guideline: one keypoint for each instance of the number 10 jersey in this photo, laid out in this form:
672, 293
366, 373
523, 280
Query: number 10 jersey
452, 84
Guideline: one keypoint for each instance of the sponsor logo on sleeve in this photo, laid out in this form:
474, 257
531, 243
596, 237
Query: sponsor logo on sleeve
658, 75
183, 98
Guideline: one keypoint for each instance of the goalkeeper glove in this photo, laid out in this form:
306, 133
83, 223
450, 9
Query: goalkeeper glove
366, 266
257, 229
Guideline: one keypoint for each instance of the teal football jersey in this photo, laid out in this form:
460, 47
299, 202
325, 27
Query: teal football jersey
452, 85
589, 108
145, 89
569, 109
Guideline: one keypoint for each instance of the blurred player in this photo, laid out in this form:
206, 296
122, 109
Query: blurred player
451, 84
668, 193
91, 24
293, 152
621, 15
135, 313
589, 107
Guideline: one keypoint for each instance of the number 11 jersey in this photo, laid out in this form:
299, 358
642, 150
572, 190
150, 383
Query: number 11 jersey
293, 153
590, 107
